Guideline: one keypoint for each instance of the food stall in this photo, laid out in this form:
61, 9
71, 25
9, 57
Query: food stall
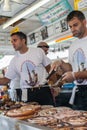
45, 118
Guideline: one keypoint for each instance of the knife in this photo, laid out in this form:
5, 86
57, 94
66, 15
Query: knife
50, 74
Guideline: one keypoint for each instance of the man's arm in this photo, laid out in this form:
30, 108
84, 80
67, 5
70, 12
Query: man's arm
48, 68
80, 74
65, 66
4, 81
71, 76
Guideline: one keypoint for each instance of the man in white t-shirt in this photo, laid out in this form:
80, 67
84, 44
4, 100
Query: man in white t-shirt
29, 64
76, 69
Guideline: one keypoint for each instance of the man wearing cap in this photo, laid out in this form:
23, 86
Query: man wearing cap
44, 46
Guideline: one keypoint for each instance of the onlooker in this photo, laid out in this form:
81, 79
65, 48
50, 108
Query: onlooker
29, 64
77, 59
44, 46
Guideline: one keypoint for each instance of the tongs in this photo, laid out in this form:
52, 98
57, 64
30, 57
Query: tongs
58, 81
50, 74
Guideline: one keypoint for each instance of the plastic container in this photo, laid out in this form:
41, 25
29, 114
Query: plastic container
68, 85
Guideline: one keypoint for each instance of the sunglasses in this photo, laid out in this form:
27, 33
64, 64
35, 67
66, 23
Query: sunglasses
43, 46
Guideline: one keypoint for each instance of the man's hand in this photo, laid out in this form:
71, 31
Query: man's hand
68, 77
55, 65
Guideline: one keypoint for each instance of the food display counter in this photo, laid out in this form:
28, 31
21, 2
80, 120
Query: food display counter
7, 123
66, 120
24, 116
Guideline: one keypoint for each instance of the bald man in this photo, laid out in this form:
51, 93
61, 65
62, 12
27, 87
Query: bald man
44, 46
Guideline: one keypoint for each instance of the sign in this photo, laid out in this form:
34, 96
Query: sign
32, 38
44, 33
56, 12
80, 4
64, 25
50, 30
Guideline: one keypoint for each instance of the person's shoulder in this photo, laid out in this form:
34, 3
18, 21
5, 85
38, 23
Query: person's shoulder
14, 57
35, 49
84, 38
74, 42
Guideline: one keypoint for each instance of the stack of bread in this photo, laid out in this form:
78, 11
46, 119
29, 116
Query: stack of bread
24, 112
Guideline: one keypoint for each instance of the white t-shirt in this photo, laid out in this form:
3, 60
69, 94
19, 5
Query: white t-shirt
29, 67
78, 57
15, 83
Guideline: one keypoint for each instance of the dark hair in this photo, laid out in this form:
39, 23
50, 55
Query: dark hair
21, 35
77, 14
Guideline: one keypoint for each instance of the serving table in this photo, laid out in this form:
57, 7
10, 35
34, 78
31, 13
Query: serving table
7, 123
